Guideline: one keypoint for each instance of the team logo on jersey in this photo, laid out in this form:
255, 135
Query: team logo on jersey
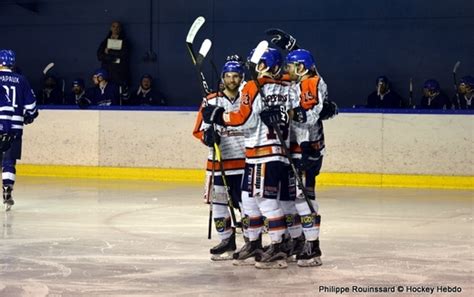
275, 99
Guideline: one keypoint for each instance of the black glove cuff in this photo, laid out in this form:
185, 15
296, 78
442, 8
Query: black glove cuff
217, 116
299, 115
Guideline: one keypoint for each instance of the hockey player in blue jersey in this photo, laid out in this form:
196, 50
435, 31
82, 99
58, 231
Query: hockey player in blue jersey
23, 101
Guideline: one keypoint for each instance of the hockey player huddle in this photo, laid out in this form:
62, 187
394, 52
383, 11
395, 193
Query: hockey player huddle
244, 123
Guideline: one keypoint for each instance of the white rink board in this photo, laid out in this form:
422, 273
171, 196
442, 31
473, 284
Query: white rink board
362, 143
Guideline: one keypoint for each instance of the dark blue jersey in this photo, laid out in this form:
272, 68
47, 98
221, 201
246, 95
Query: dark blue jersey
105, 96
388, 100
6, 112
464, 101
150, 97
439, 101
22, 97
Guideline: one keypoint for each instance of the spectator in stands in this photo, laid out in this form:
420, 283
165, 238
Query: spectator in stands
113, 53
384, 96
463, 100
104, 93
78, 94
51, 93
146, 93
433, 97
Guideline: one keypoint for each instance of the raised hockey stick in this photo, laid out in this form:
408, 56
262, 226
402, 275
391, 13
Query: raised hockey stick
254, 60
455, 69
195, 27
282, 39
48, 68
205, 47
197, 61
197, 24
285, 41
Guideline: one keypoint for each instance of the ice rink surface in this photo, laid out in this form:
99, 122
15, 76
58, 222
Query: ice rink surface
71, 237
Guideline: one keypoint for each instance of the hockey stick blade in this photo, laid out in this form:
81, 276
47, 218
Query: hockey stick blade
48, 68
205, 47
198, 22
282, 39
259, 50
456, 66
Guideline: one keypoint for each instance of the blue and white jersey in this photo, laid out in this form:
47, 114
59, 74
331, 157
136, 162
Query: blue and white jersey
6, 112
22, 97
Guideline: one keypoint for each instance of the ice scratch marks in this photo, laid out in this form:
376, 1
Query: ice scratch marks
107, 247
61, 270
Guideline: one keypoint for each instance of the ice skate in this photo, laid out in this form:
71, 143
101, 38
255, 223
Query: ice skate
224, 250
293, 247
273, 258
311, 255
246, 255
7, 198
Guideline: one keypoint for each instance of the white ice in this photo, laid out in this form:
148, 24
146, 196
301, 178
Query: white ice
71, 237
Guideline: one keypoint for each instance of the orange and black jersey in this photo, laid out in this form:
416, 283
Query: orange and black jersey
232, 138
312, 93
261, 142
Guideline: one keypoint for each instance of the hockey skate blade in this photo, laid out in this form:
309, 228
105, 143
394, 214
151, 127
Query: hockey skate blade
246, 262
223, 257
291, 259
316, 261
8, 207
278, 264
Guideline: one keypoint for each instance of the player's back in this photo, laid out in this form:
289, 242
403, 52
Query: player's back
20, 93
261, 141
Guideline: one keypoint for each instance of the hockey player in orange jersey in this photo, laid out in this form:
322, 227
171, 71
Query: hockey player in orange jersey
232, 149
308, 147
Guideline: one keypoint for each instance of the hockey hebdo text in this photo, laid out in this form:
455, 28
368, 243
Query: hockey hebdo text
408, 289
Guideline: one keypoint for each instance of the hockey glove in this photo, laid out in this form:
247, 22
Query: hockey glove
30, 118
274, 115
309, 156
329, 110
5, 142
212, 114
299, 115
282, 39
210, 137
